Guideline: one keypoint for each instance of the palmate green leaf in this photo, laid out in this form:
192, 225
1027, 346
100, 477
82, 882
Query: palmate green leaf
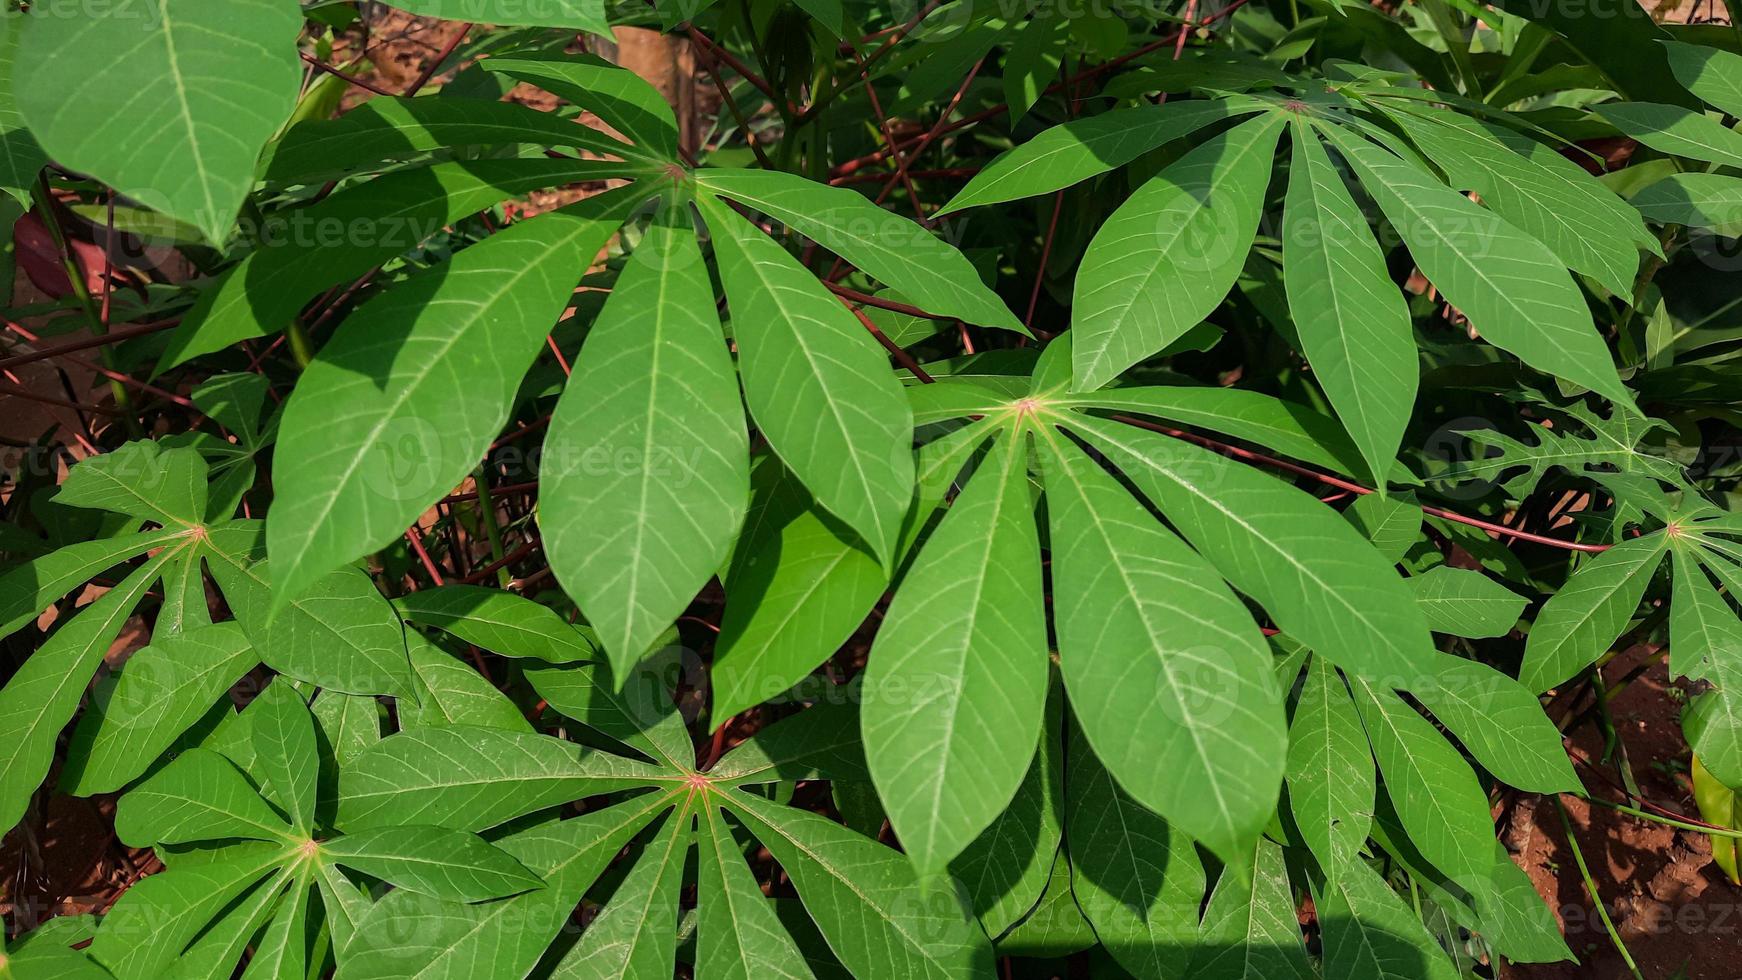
200, 796
21, 157
1578, 623
821, 742
452, 693
167, 101
738, 936
164, 689
1331, 781
638, 712
885, 246
1167, 257
434, 861
644, 481
308, 249
1436, 794
621, 98
29, 589
865, 898
171, 909
1249, 931
1136, 879
799, 586
1713, 74
469, 778
1515, 292
216, 951
1082, 148
340, 633
42, 695
501, 622
1500, 722
1705, 635
387, 129
1006, 870
1464, 602
818, 386
1675, 131
1709, 201
1370, 933
408, 936
282, 952
1169, 674
1321, 581
635, 936
1545, 195
141, 479
404, 401
956, 681
285, 752
1353, 321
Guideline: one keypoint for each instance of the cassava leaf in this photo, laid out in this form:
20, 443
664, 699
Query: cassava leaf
956, 680
1353, 322
403, 402
1167, 257
818, 386
644, 482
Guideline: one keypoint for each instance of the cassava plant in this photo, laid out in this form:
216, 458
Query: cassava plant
999, 488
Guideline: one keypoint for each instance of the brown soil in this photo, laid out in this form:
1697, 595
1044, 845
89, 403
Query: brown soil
1670, 904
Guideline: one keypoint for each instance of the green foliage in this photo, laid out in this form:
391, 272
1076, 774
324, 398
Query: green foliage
592, 517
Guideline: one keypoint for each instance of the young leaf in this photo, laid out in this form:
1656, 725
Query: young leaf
885, 246
1330, 770
1516, 293
168, 102
956, 681
1579, 622
1353, 321
1318, 577
1169, 674
1166, 258
403, 402
644, 481
817, 385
